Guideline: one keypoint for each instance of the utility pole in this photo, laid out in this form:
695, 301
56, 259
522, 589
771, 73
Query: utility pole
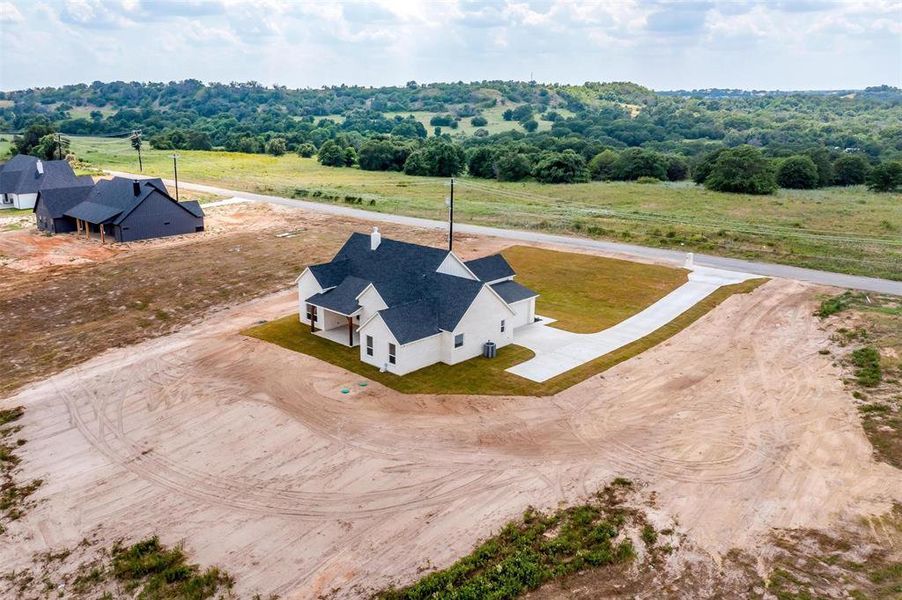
175, 170
451, 218
136, 144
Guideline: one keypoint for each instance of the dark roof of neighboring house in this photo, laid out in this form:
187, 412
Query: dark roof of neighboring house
490, 268
117, 196
511, 291
420, 301
193, 207
93, 212
20, 175
343, 298
57, 200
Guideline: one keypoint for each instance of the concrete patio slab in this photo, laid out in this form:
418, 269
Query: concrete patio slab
558, 351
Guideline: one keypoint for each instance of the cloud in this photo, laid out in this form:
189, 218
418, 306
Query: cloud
660, 43
9, 13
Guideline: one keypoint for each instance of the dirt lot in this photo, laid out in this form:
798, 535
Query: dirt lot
250, 454
64, 299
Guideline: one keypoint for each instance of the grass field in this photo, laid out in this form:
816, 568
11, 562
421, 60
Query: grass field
496, 122
586, 293
846, 230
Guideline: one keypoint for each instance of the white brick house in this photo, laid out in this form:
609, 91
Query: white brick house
408, 306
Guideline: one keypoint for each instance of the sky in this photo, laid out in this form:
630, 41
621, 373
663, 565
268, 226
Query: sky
801, 44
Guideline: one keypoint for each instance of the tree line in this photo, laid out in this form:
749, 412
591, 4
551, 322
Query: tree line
604, 131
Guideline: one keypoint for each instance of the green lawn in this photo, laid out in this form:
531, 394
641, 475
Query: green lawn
846, 230
618, 288
588, 293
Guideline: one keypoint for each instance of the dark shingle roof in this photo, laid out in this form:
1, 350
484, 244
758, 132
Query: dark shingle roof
118, 196
343, 298
20, 175
58, 200
511, 291
411, 321
420, 301
93, 212
490, 268
193, 207
332, 273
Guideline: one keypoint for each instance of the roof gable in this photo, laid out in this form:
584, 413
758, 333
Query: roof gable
491, 268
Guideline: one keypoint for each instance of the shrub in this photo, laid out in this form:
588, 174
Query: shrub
561, 167
645, 179
885, 177
742, 170
850, 169
331, 155
530, 125
437, 159
306, 150
511, 165
798, 172
867, 363
634, 163
677, 167
479, 121
601, 167
481, 162
276, 146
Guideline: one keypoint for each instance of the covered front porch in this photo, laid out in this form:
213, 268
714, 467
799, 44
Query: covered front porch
334, 326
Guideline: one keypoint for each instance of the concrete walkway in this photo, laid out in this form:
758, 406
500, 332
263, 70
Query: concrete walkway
558, 351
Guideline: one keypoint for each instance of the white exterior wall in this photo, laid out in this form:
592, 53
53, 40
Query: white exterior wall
381, 337
419, 354
20, 201
526, 312
370, 303
307, 286
480, 324
326, 319
454, 266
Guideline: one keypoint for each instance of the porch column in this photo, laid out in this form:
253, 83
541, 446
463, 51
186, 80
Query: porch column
350, 331
102, 239
77, 226
87, 230
312, 311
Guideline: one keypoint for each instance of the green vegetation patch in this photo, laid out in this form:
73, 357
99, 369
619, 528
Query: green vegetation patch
871, 324
587, 293
534, 549
147, 570
867, 366
14, 496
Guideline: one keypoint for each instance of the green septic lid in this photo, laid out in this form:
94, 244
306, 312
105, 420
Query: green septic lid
362, 384
345, 390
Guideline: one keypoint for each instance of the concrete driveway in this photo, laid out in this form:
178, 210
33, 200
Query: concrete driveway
558, 351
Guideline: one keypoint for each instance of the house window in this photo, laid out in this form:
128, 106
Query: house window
458, 340
502, 325
369, 345
391, 353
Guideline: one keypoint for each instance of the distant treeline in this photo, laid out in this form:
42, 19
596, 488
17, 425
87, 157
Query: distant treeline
593, 131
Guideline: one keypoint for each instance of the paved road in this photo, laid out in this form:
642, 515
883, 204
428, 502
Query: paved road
557, 351
870, 284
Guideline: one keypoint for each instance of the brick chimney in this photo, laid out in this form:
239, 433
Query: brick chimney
375, 238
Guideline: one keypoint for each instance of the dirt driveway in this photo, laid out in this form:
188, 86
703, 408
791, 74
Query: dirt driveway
250, 454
